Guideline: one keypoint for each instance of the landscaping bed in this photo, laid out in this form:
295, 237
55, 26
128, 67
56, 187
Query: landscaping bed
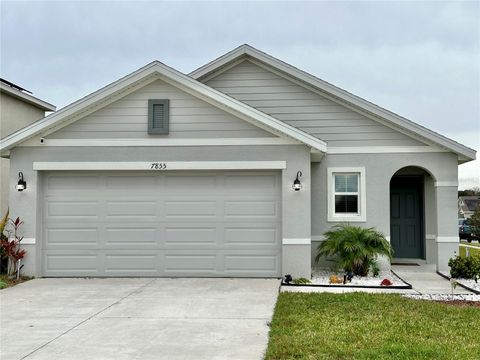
370, 326
322, 278
468, 284
6, 282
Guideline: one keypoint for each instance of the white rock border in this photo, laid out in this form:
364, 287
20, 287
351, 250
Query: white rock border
443, 297
321, 278
469, 284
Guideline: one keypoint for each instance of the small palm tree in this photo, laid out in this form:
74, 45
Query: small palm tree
355, 248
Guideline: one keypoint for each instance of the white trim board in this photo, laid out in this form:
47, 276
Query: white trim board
384, 150
163, 142
448, 239
27, 241
169, 165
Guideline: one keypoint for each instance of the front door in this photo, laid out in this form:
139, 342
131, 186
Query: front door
406, 214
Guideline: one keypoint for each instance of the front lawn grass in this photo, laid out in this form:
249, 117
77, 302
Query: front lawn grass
463, 251
371, 326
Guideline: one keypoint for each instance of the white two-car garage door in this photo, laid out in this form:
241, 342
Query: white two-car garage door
161, 224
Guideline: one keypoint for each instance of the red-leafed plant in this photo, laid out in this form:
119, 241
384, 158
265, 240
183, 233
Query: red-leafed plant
10, 244
386, 282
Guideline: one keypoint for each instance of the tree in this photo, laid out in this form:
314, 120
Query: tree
475, 222
474, 191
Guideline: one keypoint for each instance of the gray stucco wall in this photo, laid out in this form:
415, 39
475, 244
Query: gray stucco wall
440, 201
14, 114
296, 215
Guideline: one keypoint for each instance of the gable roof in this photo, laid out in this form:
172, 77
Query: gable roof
153, 71
15, 91
335, 93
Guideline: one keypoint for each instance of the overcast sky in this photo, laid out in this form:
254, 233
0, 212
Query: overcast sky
418, 59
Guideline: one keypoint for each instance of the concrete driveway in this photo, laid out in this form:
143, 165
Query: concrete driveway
137, 318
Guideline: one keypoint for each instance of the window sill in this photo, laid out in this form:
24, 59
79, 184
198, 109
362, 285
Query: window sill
337, 218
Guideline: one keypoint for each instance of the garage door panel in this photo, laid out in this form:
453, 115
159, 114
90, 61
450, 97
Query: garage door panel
248, 237
131, 264
189, 209
191, 236
75, 208
191, 183
78, 182
188, 264
72, 236
131, 208
144, 183
251, 264
57, 263
250, 208
162, 224
125, 236
245, 183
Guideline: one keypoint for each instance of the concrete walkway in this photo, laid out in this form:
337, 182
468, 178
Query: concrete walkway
136, 319
425, 280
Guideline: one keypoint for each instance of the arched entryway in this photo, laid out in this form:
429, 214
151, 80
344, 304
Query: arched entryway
411, 196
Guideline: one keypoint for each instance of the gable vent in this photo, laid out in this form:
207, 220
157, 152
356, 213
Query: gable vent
158, 116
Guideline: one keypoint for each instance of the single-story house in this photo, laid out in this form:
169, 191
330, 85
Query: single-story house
18, 108
467, 206
236, 170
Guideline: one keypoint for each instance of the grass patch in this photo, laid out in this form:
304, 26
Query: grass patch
463, 251
370, 326
6, 282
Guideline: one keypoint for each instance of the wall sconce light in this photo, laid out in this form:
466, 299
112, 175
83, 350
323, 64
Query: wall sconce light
22, 184
297, 185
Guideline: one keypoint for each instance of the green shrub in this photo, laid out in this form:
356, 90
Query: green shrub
465, 267
355, 249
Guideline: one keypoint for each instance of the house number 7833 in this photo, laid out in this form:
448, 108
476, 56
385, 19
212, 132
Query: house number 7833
158, 166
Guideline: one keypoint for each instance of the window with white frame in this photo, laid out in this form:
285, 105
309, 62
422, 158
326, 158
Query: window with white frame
346, 194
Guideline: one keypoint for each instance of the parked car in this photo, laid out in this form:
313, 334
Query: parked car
465, 230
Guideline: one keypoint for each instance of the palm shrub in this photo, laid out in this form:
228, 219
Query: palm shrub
354, 248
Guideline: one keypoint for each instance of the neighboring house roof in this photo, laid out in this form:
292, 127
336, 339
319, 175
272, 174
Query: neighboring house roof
335, 93
151, 72
18, 92
469, 203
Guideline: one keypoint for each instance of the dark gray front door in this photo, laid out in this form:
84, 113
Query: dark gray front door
406, 214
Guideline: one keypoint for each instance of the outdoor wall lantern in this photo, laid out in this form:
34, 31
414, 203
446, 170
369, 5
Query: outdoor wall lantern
22, 184
297, 185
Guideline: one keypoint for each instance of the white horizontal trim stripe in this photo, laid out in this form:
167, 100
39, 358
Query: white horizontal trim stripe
318, 238
28, 241
446, 184
430, 236
166, 142
169, 165
383, 150
306, 241
448, 239
469, 246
